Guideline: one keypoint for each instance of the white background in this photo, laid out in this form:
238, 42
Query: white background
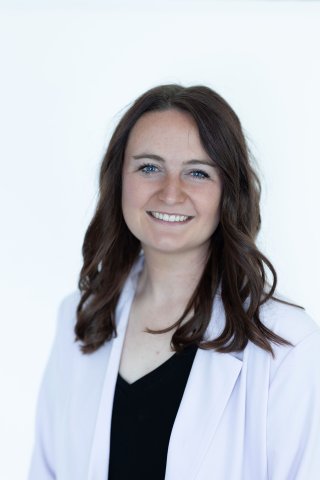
67, 73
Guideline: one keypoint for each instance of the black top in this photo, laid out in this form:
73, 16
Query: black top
142, 419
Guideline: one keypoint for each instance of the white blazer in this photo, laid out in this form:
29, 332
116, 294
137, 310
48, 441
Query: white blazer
243, 416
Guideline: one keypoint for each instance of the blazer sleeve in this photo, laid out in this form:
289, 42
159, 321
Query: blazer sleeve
43, 460
293, 422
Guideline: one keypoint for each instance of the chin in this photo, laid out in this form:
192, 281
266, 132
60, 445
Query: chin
164, 247
170, 248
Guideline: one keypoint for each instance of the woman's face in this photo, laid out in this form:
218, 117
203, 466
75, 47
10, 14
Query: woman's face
171, 189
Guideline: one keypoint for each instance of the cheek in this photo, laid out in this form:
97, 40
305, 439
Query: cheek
133, 195
128, 204
126, 193
211, 204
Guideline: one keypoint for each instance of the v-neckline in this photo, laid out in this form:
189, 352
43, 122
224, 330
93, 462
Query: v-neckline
155, 375
147, 378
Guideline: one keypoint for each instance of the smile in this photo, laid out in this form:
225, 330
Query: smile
165, 217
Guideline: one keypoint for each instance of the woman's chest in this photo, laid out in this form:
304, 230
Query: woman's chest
143, 353
219, 430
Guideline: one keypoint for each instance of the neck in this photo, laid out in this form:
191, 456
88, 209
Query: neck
170, 278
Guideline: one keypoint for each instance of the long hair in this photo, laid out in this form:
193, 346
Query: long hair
234, 263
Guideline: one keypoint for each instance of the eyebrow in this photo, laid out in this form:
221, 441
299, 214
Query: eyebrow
193, 161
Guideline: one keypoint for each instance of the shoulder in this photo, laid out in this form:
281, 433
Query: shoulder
63, 351
67, 309
65, 322
290, 322
69, 303
296, 326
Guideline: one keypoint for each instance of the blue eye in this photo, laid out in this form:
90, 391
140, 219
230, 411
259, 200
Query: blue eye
148, 168
199, 174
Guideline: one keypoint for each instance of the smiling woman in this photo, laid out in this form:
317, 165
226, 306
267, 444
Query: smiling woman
174, 183
175, 358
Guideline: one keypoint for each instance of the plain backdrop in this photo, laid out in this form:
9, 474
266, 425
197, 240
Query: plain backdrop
68, 72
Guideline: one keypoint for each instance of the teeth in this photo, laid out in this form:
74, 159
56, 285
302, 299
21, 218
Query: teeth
169, 218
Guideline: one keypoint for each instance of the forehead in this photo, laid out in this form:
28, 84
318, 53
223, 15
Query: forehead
169, 131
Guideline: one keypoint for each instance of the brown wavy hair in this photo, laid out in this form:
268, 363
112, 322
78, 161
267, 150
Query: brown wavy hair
234, 262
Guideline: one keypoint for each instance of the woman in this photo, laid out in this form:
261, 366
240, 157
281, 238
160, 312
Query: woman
185, 365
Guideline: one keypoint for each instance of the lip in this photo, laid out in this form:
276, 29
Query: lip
167, 222
170, 213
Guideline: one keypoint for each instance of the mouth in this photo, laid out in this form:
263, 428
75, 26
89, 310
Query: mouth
169, 217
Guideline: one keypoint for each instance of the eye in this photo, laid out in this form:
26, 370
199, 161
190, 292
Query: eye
199, 174
148, 168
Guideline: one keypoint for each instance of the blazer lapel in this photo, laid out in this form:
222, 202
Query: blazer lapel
210, 384
99, 456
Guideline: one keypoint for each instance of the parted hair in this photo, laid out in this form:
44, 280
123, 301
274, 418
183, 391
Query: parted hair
235, 267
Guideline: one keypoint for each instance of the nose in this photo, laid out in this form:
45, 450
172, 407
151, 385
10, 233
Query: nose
172, 191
